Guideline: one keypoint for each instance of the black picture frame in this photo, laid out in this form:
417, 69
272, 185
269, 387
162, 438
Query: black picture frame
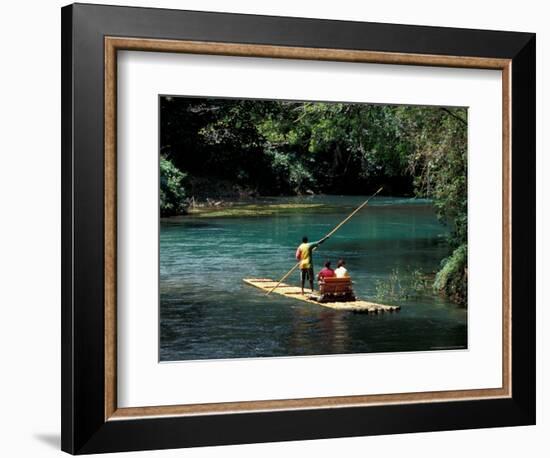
84, 428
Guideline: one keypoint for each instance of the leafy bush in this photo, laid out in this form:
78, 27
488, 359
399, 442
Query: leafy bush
172, 191
452, 279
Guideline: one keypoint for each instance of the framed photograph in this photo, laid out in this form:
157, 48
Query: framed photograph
281, 228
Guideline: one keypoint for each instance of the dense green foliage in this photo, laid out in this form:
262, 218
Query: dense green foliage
230, 147
280, 148
172, 191
452, 279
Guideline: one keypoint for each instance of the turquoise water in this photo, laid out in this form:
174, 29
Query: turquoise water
206, 311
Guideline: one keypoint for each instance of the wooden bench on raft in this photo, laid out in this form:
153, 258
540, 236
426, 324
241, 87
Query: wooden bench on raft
335, 289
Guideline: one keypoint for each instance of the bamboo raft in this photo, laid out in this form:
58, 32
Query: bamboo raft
294, 292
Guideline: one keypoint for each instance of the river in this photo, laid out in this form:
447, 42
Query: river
207, 312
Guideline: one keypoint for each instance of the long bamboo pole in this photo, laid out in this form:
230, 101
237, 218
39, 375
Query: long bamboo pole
338, 226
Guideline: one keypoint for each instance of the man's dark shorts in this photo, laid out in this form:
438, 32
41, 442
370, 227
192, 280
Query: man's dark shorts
307, 274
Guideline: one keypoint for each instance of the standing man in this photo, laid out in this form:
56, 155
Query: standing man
304, 254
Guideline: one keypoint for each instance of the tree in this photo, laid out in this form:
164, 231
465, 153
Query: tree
439, 167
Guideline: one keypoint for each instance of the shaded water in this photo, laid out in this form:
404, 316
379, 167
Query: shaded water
207, 312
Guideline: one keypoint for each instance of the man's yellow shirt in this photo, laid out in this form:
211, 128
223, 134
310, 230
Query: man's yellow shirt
305, 255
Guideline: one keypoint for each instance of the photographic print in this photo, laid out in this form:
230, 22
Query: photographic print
270, 220
299, 228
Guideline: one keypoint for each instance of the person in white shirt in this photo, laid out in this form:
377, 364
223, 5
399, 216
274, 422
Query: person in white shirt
341, 271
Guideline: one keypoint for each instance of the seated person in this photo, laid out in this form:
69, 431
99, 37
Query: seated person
325, 272
341, 271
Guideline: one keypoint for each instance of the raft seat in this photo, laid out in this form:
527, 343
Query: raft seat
334, 287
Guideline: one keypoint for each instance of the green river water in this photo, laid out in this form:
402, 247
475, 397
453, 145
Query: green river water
207, 312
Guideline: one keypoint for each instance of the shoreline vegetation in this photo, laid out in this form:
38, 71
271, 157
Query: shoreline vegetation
219, 155
217, 209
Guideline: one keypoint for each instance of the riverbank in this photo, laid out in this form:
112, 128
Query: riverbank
270, 205
239, 210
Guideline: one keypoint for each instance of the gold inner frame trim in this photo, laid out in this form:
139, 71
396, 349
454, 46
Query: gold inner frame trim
114, 44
